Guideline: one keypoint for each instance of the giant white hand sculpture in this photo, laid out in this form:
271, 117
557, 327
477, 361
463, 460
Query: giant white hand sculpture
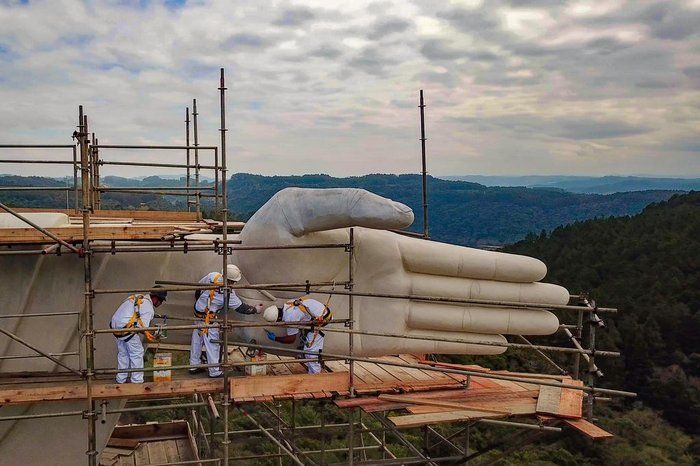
387, 262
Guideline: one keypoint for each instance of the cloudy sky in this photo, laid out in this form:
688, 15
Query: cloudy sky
323, 86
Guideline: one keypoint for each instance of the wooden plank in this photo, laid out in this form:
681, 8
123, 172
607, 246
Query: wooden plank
417, 420
440, 403
271, 385
277, 369
379, 372
156, 452
171, 451
571, 403
141, 455
122, 443
590, 430
427, 375
515, 407
368, 379
400, 373
549, 399
74, 233
126, 460
135, 214
76, 390
184, 449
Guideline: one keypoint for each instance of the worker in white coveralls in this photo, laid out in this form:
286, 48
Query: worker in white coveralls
136, 312
207, 307
302, 310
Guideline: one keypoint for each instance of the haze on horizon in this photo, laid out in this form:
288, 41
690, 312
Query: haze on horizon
513, 87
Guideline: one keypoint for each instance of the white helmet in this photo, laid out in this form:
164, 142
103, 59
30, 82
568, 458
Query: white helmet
271, 313
234, 273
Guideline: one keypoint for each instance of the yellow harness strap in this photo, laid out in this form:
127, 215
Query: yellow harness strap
136, 318
320, 321
208, 315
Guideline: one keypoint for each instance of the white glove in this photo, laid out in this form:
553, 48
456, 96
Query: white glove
386, 262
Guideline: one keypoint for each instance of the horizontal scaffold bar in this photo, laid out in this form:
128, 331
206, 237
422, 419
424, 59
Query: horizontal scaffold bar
128, 146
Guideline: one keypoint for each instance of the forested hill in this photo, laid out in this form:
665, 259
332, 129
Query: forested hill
460, 212
649, 267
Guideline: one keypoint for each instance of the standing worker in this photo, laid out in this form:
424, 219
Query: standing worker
136, 312
207, 306
302, 310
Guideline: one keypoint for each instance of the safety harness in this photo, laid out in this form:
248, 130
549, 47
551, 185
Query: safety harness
135, 319
209, 315
317, 321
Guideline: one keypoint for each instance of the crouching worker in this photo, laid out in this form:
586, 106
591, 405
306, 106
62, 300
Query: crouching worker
207, 307
302, 310
136, 312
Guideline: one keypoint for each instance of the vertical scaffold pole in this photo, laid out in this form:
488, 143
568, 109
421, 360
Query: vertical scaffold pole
351, 340
75, 178
187, 154
577, 356
426, 233
90, 415
196, 158
224, 219
98, 193
592, 369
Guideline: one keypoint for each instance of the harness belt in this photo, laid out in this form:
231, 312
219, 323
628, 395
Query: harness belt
318, 321
133, 321
209, 315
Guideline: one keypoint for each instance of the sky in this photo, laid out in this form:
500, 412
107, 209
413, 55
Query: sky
322, 86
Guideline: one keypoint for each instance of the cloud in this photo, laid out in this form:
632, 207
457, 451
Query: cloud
513, 86
294, 17
246, 40
436, 49
387, 27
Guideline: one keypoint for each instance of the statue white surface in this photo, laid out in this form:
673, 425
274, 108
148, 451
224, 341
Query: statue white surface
386, 262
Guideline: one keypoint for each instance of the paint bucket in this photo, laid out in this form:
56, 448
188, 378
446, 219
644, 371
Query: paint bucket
255, 369
162, 360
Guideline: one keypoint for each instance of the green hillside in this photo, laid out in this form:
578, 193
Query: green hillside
649, 267
460, 212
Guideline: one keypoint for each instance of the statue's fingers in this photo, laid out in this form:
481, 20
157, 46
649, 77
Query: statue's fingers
435, 258
456, 318
467, 288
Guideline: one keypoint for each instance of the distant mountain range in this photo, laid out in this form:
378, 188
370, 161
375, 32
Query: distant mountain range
585, 184
460, 212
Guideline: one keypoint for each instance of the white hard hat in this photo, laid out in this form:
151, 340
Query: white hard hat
234, 273
271, 313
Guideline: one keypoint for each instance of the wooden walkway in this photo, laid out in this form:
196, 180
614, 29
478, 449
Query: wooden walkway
423, 397
115, 225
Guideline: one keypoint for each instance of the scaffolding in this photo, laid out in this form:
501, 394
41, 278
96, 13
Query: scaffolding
214, 405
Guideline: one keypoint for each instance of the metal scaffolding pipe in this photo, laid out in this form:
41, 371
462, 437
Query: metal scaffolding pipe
39, 314
153, 164
262, 429
71, 353
35, 188
59, 162
486, 302
125, 146
156, 188
34, 348
36, 146
41, 416
137, 409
